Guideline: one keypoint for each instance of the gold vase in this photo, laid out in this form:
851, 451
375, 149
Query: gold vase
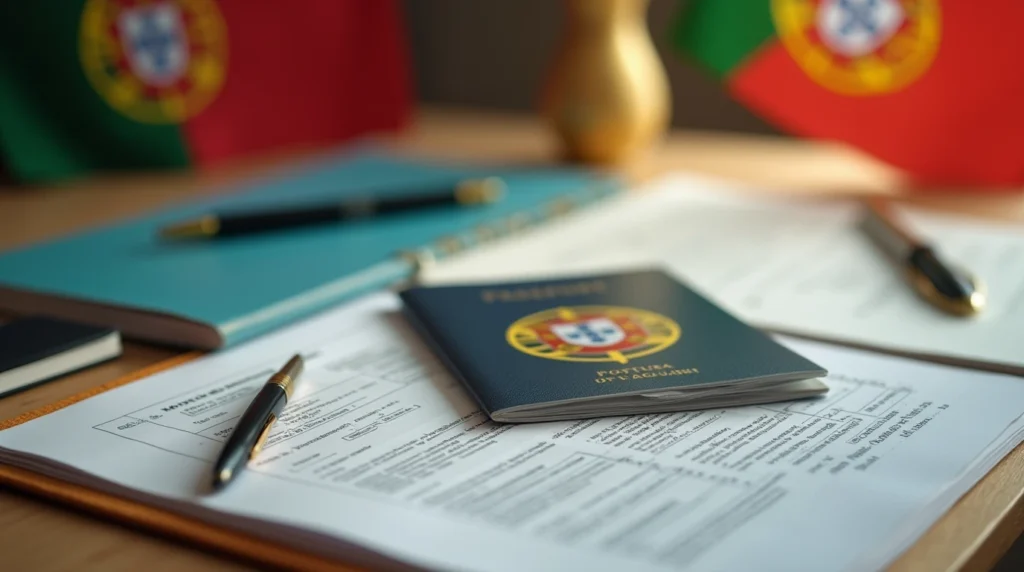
606, 95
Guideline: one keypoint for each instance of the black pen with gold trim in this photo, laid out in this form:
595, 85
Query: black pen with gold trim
251, 431
228, 224
944, 286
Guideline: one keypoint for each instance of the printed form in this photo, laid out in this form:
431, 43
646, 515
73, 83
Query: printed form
792, 264
381, 448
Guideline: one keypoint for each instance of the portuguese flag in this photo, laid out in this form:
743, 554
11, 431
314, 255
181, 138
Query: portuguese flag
934, 87
124, 84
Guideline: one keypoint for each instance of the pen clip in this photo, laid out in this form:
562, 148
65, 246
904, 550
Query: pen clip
262, 439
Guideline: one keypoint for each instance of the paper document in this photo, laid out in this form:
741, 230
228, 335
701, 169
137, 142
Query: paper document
382, 458
795, 265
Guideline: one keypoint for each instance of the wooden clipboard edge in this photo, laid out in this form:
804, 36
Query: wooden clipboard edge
157, 520
94, 391
190, 530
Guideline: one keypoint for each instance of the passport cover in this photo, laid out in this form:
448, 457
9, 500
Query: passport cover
233, 290
531, 343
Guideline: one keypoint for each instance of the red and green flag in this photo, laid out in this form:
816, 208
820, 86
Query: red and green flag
113, 84
934, 87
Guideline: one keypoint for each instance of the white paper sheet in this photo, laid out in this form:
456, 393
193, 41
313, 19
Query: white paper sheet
795, 265
381, 448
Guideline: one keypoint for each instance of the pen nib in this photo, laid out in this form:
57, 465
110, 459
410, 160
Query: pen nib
221, 479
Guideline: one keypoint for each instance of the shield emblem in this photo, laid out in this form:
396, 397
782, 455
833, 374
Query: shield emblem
590, 333
856, 28
155, 42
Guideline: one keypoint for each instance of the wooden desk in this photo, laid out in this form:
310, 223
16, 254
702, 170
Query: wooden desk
35, 535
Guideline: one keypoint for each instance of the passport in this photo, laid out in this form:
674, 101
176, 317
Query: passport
603, 345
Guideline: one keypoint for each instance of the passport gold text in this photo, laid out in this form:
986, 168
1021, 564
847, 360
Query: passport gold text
642, 372
543, 292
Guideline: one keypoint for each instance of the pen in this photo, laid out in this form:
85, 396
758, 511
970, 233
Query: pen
227, 224
946, 287
249, 435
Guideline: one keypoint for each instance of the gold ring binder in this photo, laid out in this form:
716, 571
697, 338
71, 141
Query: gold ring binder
449, 244
418, 259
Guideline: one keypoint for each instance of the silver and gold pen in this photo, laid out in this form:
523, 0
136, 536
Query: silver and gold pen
948, 288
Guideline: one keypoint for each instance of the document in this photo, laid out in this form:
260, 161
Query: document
381, 458
793, 265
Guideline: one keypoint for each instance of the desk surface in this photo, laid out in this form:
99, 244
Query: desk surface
40, 536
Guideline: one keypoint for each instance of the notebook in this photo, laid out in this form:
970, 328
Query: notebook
214, 294
37, 349
603, 345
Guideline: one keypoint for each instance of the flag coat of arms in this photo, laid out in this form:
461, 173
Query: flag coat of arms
931, 86
155, 42
599, 332
112, 84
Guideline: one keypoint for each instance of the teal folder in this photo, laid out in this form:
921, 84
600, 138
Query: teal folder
213, 294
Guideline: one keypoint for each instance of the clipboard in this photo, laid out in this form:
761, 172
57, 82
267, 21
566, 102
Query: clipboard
186, 529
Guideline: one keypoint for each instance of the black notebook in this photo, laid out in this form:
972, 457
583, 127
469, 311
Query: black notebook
34, 350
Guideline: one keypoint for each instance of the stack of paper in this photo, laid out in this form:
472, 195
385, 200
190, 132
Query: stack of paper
791, 265
382, 459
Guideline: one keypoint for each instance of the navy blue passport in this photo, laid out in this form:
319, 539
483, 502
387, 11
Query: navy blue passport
603, 345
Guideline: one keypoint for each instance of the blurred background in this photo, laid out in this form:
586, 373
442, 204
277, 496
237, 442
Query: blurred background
94, 85
494, 55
